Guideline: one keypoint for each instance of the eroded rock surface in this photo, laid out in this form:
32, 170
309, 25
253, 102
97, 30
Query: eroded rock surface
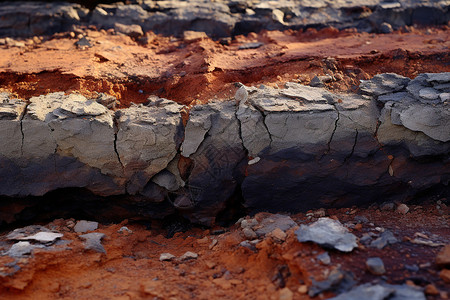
279, 149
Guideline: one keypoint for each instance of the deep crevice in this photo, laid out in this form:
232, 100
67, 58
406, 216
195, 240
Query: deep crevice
353, 147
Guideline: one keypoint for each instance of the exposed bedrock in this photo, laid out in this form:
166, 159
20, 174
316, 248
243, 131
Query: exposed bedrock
219, 18
286, 149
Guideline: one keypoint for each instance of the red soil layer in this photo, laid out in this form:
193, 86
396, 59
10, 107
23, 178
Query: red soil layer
191, 72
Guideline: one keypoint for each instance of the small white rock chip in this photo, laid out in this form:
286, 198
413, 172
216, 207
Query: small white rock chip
189, 255
254, 161
403, 209
43, 237
124, 229
166, 257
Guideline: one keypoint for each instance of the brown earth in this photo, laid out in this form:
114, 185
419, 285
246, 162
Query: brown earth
198, 70
131, 268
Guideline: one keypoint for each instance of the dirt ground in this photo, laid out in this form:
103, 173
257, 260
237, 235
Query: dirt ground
274, 269
198, 69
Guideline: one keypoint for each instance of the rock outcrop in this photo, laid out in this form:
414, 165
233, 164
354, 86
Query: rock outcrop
284, 149
219, 19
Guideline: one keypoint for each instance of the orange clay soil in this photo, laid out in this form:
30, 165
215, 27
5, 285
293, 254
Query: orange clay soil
191, 72
131, 268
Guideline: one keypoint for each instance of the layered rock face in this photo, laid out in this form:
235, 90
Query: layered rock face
284, 149
219, 18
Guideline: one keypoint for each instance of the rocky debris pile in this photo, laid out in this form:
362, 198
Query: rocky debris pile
286, 149
220, 18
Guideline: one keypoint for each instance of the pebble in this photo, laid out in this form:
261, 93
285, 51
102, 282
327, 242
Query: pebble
388, 206
402, 209
316, 82
443, 257
278, 235
303, 289
386, 28
375, 266
324, 258
286, 294
445, 275
85, 226
188, 255
431, 290
166, 257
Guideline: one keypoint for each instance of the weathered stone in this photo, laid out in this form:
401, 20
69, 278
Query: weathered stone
133, 30
438, 77
166, 257
428, 94
43, 237
93, 241
337, 281
85, 226
21, 248
402, 209
366, 291
188, 255
148, 139
375, 266
328, 233
386, 28
382, 292
387, 237
384, 84
324, 258
273, 222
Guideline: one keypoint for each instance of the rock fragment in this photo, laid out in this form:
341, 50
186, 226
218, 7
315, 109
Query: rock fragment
387, 237
337, 281
375, 266
328, 233
382, 292
21, 248
272, 222
383, 84
443, 257
445, 275
133, 30
93, 241
85, 226
166, 257
188, 256
402, 209
43, 237
324, 258
386, 28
